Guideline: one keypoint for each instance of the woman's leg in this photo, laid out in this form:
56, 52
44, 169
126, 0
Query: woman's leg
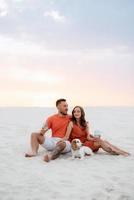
108, 147
117, 150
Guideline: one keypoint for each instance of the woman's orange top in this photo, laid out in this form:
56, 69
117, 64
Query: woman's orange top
79, 133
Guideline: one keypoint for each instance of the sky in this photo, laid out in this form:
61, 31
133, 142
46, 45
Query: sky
81, 50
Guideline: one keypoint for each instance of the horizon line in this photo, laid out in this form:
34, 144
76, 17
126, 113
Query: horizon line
128, 106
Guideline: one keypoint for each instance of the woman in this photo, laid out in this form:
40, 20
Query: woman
78, 128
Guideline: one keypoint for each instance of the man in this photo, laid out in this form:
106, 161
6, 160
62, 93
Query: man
58, 124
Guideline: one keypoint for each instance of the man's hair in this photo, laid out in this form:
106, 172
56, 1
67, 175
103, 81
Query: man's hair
59, 101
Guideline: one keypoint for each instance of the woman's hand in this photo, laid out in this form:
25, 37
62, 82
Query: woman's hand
96, 139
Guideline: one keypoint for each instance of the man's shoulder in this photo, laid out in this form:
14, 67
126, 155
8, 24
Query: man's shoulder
52, 116
56, 116
69, 116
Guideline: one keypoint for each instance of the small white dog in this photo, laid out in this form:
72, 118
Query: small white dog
79, 151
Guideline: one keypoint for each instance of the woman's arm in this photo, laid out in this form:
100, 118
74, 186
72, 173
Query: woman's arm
89, 133
68, 132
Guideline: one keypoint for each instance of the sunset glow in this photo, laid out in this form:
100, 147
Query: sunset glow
49, 51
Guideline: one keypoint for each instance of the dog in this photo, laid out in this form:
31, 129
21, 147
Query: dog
79, 151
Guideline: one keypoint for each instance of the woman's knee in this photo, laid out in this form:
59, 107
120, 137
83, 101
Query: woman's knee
101, 142
97, 144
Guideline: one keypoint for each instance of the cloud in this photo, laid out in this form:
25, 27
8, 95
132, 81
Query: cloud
3, 8
19, 47
29, 87
18, 1
22, 53
15, 50
22, 74
55, 15
37, 76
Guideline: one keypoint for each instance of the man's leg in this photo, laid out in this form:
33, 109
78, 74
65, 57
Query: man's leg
36, 139
60, 146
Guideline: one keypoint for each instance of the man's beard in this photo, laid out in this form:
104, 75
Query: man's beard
63, 113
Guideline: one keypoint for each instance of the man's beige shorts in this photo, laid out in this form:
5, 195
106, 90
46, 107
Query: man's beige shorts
50, 143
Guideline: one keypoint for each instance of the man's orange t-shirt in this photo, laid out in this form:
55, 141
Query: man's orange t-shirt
58, 124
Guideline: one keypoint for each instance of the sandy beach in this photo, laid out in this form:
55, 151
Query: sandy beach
100, 177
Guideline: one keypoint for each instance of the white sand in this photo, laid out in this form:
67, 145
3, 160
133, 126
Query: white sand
101, 177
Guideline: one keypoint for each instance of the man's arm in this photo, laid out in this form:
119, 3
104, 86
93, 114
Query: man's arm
44, 129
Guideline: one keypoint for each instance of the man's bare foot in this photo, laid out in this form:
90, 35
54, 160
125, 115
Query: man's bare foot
47, 158
29, 155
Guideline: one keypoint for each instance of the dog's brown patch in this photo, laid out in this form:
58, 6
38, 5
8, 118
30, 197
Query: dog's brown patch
74, 145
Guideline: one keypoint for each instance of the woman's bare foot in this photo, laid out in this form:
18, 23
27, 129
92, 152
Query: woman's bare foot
126, 154
29, 155
118, 151
106, 146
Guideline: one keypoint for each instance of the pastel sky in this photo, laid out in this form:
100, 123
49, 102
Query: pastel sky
81, 50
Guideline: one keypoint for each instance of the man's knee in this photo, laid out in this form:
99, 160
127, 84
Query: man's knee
38, 137
61, 145
34, 134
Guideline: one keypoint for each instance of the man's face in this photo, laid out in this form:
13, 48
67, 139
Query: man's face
63, 107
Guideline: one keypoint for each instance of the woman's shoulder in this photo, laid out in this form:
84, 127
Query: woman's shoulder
71, 124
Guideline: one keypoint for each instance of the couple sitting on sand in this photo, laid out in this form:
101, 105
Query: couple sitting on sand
65, 128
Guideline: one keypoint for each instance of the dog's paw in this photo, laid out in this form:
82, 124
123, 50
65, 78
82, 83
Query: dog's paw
82, 158
73, 157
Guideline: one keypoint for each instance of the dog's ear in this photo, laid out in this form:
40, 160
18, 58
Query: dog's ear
74, 145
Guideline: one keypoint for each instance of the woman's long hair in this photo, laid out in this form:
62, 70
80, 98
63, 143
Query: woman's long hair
83, 122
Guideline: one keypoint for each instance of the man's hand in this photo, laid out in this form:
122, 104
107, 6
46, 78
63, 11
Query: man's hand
42, 132
63, 139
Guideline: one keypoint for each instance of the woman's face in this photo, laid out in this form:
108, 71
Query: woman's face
77, 113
